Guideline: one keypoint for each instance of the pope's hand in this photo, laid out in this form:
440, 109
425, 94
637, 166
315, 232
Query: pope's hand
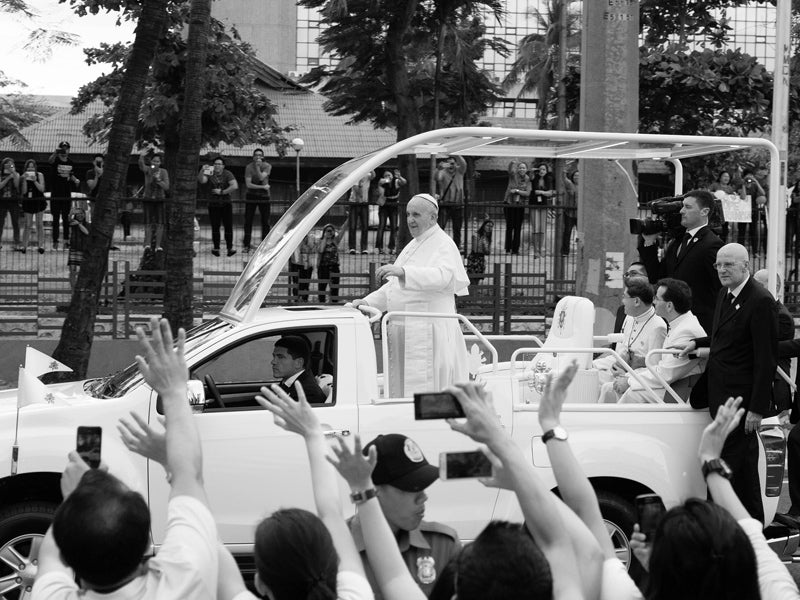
387, 271
357, 303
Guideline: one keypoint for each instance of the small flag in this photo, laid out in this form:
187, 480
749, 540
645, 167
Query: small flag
38, 363
32, 391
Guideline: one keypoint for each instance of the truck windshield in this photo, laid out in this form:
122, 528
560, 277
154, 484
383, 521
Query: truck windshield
121, 382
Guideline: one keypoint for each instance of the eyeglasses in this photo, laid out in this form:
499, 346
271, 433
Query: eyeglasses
634, 274
725, 265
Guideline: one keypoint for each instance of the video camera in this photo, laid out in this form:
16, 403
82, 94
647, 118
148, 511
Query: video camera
666, 219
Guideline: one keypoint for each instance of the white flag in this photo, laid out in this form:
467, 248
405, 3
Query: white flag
38, 363
32, 390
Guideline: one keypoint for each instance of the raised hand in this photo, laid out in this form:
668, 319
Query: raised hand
482, 423
142, 439
355, 468
714, 435
640, 548
163, 367
297, 417
555, 391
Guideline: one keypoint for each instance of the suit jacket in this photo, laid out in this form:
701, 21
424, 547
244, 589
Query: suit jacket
682, 330
781, 390
744, 349
314, 394
695, 266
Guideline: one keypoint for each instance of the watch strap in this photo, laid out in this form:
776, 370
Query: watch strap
363, 496
716, 465
554, 433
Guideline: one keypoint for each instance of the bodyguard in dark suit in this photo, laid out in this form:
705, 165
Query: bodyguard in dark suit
691, 258
742, 362
289, 359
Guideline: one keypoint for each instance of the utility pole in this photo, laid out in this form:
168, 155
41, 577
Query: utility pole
609, 102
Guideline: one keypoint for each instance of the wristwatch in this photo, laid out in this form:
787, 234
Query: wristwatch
363, 496
716, 465
556, 433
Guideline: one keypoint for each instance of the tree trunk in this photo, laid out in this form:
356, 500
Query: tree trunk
178, 289
75, 344
436, 87
407, 115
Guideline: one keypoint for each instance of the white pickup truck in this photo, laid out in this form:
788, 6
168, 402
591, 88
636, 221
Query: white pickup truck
252, 467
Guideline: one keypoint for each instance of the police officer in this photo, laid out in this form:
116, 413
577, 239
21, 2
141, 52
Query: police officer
401, 476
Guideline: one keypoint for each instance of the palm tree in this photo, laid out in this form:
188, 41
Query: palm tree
538, 56
75, 343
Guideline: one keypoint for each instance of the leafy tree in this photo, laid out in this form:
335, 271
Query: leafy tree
18, 111
75, 344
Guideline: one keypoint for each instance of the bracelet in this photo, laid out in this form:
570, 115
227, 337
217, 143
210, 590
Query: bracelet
361, 497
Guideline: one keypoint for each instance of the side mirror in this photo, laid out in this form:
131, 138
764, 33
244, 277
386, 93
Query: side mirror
196, 393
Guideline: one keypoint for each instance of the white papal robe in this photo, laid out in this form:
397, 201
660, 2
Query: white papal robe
425, 355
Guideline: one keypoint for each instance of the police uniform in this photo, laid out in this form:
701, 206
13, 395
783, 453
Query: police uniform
425, 550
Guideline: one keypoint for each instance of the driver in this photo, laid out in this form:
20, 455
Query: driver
290, 358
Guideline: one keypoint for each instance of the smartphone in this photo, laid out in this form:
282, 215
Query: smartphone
462, 465
436, 405
649, 509
88, 443
208, 170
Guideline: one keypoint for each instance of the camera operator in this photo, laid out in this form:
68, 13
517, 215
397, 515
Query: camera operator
691, 258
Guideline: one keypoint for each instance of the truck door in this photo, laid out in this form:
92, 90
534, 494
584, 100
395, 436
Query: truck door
251, 466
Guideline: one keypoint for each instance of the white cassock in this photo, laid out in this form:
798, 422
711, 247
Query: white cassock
425, 355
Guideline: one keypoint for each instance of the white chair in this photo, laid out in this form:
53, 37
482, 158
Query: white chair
325, 383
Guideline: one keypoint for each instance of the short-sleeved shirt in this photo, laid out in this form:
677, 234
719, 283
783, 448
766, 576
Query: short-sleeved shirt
221, 181
425, 550
450, 186
185, 566
61, 185
151, 188
90, 174
259, 175
359, 193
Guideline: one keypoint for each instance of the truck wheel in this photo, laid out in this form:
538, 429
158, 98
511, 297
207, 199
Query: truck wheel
22, 528
620, 516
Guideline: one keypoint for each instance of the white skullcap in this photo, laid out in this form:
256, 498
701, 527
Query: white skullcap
429, 198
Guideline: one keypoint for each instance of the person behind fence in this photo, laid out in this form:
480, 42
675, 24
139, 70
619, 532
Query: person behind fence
256, 181
390, 183
33, 204
570, 209
401, 476
672, 302
753, 192
301, 267
156, 188
61, 185
217, 184
78, 238
642, 331
328, 260
290, 359
481, 248
359, 213
517, 195
450, 194
723, 183
424, 354
542, 191
93, 177
9, 199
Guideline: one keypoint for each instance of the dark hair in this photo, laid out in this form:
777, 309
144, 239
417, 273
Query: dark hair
705, 199
721, 173
639, 287
102, 529
444, 588
482, 229
678, 292
296, 346
258, 150
98, 155
295, 556
700, 552
503, 563
31, 161
218, 158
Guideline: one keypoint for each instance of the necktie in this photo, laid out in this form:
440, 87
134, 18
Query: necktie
686, 237
729, 300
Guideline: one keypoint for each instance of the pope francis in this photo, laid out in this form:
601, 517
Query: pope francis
425, 355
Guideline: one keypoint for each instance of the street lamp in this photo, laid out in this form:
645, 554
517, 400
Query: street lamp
298, 144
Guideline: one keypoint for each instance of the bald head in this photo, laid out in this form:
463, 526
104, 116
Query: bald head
762, 277
732, 265
421, 215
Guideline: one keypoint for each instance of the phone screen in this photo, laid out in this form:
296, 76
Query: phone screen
460, 465
88, 444
436, 405
650, 508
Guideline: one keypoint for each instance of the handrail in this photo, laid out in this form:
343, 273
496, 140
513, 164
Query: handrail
661, 380
403, 313
610, 351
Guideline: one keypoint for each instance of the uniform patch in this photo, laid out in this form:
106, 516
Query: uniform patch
426, 569
412, 451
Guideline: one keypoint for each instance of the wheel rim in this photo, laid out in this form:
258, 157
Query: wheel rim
19, 562
620, 541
